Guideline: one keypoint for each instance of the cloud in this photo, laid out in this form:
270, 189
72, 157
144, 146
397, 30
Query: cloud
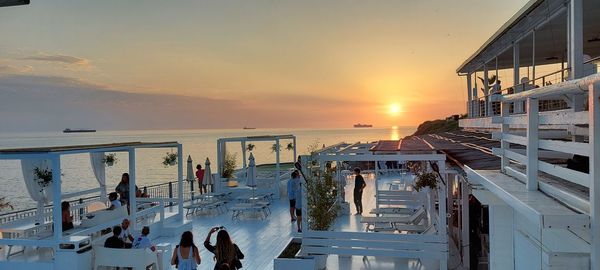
43, 103
61, 58
13, 69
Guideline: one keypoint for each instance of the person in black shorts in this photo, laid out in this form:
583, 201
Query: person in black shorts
292, 186
359, 185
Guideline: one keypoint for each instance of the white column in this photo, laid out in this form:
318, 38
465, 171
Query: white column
533, 57
132, 202
518, 105
56, 194
295, 154
464, 192
575, 38
244, 155
486, 90
501, 237
469, 97
180, 180
443, 220
219, 172
594, 126
277, 167
504, 129
532, 143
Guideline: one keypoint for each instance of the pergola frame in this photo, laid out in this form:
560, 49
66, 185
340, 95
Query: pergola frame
221, 150
367, 152
54, 154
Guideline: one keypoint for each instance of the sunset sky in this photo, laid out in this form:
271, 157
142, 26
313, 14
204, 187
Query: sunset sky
228, 64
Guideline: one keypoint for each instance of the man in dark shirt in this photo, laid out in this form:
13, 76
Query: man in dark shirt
114, 241
359, 185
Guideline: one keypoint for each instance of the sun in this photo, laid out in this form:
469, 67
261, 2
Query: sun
395, 109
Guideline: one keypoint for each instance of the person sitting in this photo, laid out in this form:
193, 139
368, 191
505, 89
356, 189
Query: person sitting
67, 218
115, 203
186, 247
226, 252
114, 241
125, 234
143, 241
140, 194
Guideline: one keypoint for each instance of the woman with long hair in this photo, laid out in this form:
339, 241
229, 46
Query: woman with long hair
226, 252
186, 255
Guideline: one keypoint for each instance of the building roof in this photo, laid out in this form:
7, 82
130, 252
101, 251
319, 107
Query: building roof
549, 19
408, 144
113, 147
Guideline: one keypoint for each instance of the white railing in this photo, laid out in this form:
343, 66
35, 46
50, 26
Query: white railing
513, 160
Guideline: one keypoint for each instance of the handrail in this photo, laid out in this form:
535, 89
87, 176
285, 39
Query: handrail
578, 86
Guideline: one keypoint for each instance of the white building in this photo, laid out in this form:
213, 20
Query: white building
543, 200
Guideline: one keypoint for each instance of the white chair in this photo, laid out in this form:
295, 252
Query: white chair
138, 259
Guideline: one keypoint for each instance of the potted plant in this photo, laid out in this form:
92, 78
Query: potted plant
170, 159
323, 207
110, 159
290, 258
44, 177
229, 165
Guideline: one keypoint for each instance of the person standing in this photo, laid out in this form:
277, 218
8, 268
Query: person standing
298, 192
186, 247
200, 176
359, 185
291, 191
226, 252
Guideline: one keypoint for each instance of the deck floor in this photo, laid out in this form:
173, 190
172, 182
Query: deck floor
262, 240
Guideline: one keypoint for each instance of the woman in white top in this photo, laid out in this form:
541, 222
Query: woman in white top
186, 255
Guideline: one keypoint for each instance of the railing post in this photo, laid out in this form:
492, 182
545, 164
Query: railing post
594, 127
170, 193
532, 143
505, 129
80, 208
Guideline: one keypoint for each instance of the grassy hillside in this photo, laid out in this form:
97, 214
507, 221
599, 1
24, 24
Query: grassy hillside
437, 126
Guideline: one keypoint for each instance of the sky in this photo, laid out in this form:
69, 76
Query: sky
158, 64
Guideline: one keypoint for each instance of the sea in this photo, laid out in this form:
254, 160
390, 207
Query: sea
198, 144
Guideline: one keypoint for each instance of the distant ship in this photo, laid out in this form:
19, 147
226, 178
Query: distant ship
249, 128
68, 130
359, 125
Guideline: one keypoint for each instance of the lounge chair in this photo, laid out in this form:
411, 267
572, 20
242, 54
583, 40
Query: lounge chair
414, 219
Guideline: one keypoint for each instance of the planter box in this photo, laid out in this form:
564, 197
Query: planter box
297, 263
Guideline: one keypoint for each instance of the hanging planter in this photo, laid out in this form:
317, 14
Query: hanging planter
426, 180
290, 146
170, 159
43, 176
110, 159
250, 147
275, 148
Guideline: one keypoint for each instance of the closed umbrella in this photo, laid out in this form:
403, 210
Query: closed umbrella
190, 175
251, 174
207, 180
190, 169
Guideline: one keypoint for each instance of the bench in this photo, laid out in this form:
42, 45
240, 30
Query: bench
372, 223
393, 211
103, 216
138, 259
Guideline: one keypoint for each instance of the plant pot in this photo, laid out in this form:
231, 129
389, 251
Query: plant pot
110, 163
173, 163
295, 263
